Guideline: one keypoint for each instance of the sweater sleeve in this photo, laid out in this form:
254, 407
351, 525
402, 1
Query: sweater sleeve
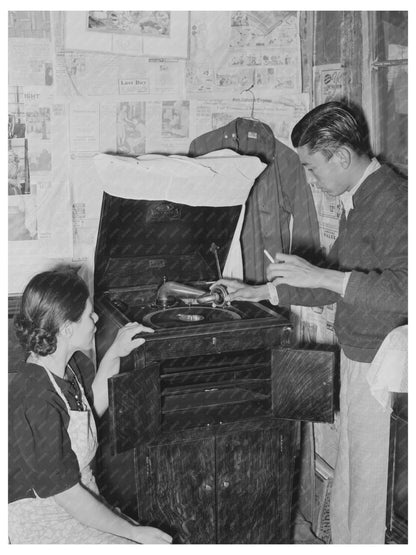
302, 296
385, 289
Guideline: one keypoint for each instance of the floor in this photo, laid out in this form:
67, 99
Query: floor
302, 533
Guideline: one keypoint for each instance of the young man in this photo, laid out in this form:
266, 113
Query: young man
366, 276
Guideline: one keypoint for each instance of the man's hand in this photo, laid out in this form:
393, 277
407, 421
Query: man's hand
240, 291
297, 272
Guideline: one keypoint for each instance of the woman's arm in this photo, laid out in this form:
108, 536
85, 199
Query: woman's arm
87, 509
122, 346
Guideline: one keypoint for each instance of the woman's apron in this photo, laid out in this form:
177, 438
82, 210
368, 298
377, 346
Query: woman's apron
42, 520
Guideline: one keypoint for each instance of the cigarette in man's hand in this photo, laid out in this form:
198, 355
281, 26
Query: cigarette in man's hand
269, 256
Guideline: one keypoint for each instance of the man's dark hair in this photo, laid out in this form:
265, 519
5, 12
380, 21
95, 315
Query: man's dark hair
329, 126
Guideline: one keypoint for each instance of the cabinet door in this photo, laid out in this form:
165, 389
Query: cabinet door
115, 474
134, 407
254, 479
303, 384
176, 489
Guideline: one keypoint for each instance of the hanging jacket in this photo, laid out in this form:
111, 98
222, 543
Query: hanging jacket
280, 191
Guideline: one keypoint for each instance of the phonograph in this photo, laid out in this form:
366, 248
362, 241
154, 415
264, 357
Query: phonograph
209, 360
214, 376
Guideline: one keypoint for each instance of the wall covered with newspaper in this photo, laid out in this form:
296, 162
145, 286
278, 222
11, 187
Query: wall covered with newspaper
133, 83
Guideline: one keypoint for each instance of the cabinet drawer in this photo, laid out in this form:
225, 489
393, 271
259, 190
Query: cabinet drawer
216, 343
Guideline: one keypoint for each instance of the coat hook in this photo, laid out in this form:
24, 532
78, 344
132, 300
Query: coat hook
254, 98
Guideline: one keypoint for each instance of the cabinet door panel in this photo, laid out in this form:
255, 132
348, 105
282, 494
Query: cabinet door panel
251, 505
303, 384
134, 407
115, 475
178, 484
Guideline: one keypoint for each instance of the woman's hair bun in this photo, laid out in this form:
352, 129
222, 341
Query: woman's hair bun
32, 338
42, 342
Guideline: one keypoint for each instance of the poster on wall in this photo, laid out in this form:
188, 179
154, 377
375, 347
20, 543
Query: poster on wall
22, 223
131, 128
140, 33
141, 23
328, 81
84, 127
86, 197
30, 62
168, 127
18, 174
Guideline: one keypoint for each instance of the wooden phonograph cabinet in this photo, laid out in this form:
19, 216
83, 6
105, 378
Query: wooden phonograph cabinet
202, 430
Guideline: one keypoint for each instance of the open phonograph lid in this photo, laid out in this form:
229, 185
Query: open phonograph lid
170, 216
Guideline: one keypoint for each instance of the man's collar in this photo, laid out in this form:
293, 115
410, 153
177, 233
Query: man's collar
347, 197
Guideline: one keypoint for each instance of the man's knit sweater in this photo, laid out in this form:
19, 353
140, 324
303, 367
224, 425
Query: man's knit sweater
372, 244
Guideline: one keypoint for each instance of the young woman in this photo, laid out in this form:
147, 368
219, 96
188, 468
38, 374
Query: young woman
53, 497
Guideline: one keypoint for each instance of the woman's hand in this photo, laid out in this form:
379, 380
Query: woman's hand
148, 534
240, 291
124, 343
122, 346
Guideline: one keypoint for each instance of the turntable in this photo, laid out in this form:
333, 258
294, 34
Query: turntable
187, 315
211, 371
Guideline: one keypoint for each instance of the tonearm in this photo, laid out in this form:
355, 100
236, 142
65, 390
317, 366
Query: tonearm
217, 296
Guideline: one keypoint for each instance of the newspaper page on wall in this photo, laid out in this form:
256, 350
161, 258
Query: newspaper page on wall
252, 48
